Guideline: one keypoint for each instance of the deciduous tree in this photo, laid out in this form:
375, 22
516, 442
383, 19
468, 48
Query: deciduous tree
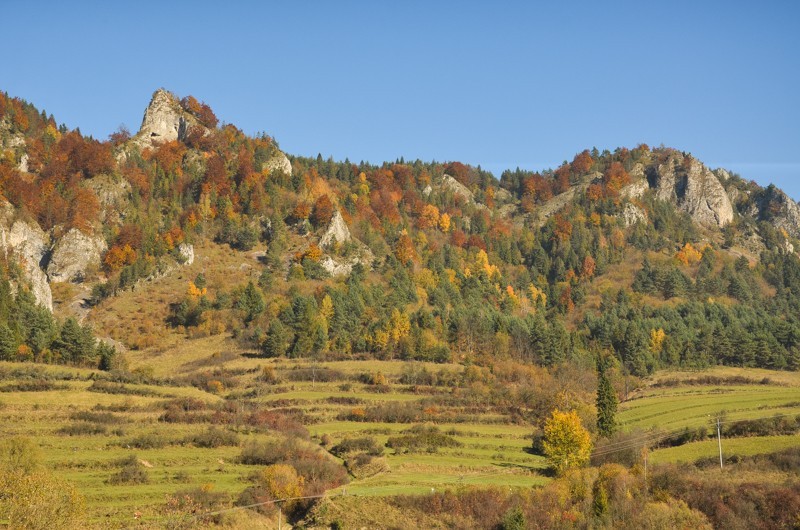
567, 444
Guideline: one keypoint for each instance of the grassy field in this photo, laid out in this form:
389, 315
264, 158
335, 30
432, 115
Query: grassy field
679, 400
487, 448
488, 452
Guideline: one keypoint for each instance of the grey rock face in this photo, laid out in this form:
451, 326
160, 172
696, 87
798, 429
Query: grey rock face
635, 189
694, 188
164, 121
784, 212
278, 162
632, 214
113, 195
186, 252
73, 255
27, 243
457, 188
337, 231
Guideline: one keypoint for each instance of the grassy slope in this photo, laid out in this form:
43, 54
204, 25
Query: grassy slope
672, 408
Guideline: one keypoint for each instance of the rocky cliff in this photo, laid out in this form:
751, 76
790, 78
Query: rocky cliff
164, 121
26, 243
693, 187
73, 255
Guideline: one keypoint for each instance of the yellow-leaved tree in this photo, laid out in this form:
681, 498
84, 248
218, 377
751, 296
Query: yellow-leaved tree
567, 444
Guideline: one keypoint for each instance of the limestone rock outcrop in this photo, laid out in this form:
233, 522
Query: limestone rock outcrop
113, 195
694, 188
73, 255
780, 210
278, 162
632, 214
337, 231
164, 121
186, 252
26, 243
457, 188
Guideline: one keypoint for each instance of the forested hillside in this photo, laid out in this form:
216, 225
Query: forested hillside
643, 253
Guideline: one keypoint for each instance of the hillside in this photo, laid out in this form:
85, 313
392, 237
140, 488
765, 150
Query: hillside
229, 305
450, 262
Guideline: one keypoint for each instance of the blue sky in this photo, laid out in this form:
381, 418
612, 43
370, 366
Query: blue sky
502, 85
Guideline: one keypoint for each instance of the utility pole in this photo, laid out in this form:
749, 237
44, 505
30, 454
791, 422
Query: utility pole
645, 467
719, 443
280, 513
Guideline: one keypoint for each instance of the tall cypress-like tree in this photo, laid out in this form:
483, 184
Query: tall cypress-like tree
606, 401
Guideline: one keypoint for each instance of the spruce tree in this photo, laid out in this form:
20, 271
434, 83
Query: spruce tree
606, 402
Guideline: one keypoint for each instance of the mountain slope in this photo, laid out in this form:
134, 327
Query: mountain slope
643, 253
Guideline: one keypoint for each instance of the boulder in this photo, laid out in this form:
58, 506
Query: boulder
73, 255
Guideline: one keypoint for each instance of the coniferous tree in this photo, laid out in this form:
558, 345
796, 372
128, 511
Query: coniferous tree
606, 402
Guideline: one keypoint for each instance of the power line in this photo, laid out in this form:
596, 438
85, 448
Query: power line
660, 436
613, 448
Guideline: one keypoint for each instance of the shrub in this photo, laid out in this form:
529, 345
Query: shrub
131, 472
391, 412
366, 444
316, 467
97, 417
118, 388
37, 385
318, 374
214, 437
148, 441
422, 437
82, 429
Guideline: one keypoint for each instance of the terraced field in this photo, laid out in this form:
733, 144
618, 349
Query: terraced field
691, 400
86, 427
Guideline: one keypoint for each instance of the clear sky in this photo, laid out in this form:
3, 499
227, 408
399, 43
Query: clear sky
500, 84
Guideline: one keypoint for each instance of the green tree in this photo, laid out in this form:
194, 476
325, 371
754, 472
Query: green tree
606, 402
8, 343
74, 343
567, 444
251, 302
277, 341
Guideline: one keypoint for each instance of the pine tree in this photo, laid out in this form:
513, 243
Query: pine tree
606, 402
276, 343
8, 344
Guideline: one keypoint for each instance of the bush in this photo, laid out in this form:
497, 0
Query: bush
132, 472
318, 374
367, 445
214, 437
391, 412
318, 470
118, 388
37, 385
622, 448
82, 429
147, 441
422, 437
184, 505
97, 417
